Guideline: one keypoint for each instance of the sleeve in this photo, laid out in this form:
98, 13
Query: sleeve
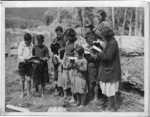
110, 53
84, 66
20, 53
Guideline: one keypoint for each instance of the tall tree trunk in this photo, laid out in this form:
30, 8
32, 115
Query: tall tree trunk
140, 30
113, 19
82, 27
136, 21
130, 28
125, 13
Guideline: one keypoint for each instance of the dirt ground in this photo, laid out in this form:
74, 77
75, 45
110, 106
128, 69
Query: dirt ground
38, 104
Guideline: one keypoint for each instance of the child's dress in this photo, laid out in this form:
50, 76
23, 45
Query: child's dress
40, 74
60, 73
67, 71
79, 74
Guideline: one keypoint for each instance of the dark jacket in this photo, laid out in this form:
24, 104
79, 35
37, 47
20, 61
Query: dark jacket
109, 67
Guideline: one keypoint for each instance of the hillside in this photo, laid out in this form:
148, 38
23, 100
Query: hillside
28, 13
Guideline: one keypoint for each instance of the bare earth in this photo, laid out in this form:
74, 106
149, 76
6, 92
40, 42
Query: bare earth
135, 65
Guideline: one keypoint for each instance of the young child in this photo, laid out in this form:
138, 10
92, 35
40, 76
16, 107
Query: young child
61, 41
79, 74
71, 45
25, 70
40, 74
60, 72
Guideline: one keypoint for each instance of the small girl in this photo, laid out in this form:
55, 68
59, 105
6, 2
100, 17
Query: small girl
71, 45
60, 72
40, 74
79, 74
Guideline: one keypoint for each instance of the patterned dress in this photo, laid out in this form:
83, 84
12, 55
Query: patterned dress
79, 74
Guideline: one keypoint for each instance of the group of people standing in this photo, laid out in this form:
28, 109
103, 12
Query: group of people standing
75, 72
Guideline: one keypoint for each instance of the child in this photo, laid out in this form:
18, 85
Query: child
25, 70
60, 72
61, 41
79, 74
109, 70
40, 74
71, 45
54, 49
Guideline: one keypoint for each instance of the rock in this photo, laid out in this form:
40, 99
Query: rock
130, 45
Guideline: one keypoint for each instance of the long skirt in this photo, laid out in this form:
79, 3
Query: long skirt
109, 89
60, 79
66, 83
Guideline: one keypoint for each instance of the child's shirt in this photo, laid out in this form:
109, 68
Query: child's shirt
70, 47
40, 51
24, 51
82, 68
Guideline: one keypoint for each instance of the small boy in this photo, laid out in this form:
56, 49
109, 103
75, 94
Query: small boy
25, 69
40, 74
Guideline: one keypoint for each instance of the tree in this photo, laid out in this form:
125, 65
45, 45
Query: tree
48, 17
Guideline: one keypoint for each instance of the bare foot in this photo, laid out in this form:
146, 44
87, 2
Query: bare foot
81, 106
94, 101
72, 100
76, 104
63, 98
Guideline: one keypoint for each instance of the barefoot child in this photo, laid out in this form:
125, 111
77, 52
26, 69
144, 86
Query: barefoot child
25, 70
61, 41
71, 45
60, 72
40, 74
79, 74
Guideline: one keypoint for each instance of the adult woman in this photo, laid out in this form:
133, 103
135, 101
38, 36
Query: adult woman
109, 74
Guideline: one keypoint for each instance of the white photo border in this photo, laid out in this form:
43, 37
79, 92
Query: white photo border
20, 4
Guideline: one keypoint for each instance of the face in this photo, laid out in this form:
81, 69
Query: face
40, 43
99, 17
59, 34
28, 42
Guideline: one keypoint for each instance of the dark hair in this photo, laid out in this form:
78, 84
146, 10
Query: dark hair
40, 38
58, 28
27, 37
102, 13
70, 32
62, 52
107, 32
80, 50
